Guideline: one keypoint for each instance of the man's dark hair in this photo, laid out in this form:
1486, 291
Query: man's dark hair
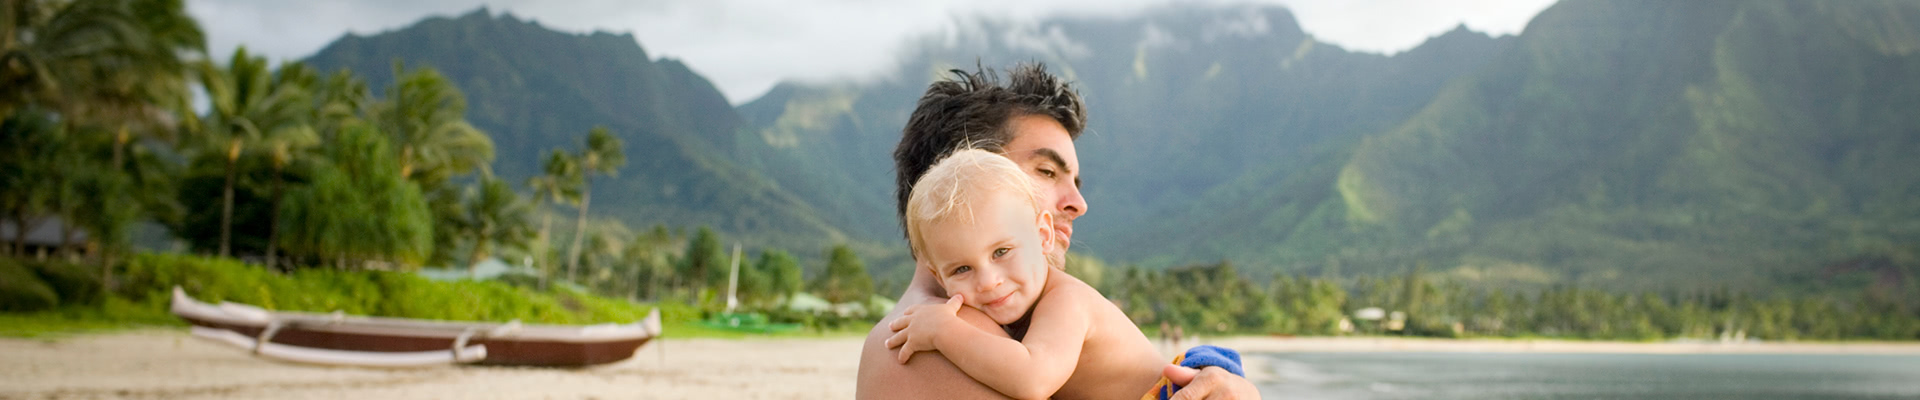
975, 110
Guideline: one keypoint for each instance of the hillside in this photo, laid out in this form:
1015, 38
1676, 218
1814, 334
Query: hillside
1617, 144
1185, 106
534, 89
1656, 145
1620, 144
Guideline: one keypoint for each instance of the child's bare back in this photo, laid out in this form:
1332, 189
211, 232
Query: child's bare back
1117, 361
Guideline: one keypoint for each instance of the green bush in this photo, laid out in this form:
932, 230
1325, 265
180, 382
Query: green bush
151, 277
22, 290
74, 283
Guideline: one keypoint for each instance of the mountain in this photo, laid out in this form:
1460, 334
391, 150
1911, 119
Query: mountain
1185, 104
1625, 144
1656, 144
534, 89
1641, 145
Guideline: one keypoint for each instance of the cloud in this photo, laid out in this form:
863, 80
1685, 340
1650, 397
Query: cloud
1392, 26
1051, 40
1153, 37
1249, 24
746, 46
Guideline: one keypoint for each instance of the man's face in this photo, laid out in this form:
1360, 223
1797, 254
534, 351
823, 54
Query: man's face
995, 255
1042, 148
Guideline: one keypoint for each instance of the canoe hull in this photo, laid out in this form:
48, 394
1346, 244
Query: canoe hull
505, 344
499, 351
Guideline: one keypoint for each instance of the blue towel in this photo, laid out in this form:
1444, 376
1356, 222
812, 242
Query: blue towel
1199, 357
1203, 356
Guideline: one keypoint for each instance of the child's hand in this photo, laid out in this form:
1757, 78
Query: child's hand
914, 331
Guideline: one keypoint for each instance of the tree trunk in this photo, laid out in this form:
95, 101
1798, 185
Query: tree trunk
66, 238
106, 254
273, 221
106, 271
406, 161
61, 201
20, 229
226, 204
479, 251
119, 146
546, 247
580, 229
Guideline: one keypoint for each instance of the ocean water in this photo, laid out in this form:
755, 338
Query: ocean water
1588, 376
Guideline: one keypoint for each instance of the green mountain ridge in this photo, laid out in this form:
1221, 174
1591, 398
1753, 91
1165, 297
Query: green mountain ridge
1181, 111
1663, 145
1620, 144
534, 89
1636, 145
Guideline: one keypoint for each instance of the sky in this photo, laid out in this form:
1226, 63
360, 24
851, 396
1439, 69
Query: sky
747, 46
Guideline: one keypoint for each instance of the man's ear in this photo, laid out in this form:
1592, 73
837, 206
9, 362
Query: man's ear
1045, 223
933, 277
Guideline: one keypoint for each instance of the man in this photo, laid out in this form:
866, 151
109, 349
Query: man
1033, 120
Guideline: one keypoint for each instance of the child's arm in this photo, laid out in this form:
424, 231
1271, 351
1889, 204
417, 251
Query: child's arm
1031, 369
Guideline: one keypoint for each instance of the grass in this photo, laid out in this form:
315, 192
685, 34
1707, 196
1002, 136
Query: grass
146, 281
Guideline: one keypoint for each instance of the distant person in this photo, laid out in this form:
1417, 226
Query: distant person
1166, 337
1032, 119
1179, 335
974, 221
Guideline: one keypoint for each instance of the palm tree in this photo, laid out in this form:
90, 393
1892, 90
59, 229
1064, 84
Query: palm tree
424, 114
603, 154
247, 104
495, 217
341, 99
100, 63
283, 145
46, 46
605, 271
34, 147
558, 183
138, 84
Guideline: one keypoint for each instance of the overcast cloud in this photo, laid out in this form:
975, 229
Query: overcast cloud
746, 46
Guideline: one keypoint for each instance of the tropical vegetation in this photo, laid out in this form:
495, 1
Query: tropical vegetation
1691, 177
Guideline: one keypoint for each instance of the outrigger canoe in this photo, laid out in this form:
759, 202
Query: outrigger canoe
340, 339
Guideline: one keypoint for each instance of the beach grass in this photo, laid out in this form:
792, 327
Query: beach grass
144, 286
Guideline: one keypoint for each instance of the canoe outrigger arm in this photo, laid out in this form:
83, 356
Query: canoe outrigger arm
309, 355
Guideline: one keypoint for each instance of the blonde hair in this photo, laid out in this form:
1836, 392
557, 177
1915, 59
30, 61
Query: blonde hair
950, 187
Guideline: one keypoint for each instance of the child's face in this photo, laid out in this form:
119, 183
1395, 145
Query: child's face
997, 260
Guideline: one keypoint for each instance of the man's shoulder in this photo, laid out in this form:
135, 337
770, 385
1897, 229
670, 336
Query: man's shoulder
928, 375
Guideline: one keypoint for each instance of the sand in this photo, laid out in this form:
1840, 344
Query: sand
170, 364
1391, 344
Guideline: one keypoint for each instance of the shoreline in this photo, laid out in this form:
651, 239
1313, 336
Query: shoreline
168, 363
1381, 344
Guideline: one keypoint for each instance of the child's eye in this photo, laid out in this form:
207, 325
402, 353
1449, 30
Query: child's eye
959, 270
997, 253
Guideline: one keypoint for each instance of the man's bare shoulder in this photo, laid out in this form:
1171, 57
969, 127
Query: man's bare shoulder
927, 375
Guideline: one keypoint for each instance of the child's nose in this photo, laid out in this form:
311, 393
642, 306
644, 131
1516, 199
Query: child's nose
990, 280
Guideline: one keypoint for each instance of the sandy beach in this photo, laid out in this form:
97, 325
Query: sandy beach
1247, 344
170, 364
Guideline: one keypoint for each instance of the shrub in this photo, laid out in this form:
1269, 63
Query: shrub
22, 290
73, 283
151, 277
